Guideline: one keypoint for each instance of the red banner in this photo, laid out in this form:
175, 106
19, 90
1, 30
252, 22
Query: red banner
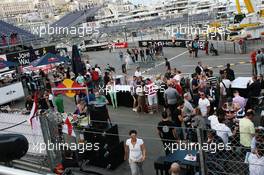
121, 45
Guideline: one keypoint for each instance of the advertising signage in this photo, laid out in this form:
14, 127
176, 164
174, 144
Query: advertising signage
169, 43
24, 58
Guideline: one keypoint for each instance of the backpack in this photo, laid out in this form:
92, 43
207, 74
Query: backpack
95, 76
228, 90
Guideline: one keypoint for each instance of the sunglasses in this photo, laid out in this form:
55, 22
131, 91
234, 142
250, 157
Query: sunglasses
230, 112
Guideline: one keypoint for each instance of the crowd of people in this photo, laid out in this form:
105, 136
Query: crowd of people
201, 101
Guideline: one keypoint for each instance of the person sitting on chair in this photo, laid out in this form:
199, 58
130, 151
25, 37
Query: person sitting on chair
213, 50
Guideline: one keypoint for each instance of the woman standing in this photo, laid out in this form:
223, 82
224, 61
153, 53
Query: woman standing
137, 153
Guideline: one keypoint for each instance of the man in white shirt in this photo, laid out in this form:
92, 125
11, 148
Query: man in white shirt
178, 76
138, 73
204, 104
222, 130
213, 121
87, 65
98, 70
225, 86
256, 161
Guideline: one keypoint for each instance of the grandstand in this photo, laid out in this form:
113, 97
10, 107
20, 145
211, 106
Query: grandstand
23, 36
76, 17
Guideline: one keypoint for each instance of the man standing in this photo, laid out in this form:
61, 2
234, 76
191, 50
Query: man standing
142, 55
199, 68
204, 105
247, 129
260, 59
136, 53
206, 47
254, 90
167, 64
138, 73
230, 75
148, 54
254, 62
167, 132
152, 96
188, 109
88, 66
195, 88
121, 56
222, 130
195, 47
170, 96
225, 86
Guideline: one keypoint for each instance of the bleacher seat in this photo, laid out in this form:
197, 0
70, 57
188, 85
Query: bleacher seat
22, 34
76, 17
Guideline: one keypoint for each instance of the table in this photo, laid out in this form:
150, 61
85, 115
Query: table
162, 164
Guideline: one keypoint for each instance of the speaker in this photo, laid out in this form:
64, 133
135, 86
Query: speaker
105, 137
12, 146
110, 158
99, 117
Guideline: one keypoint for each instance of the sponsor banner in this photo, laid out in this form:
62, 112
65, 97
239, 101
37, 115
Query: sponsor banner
169, 43
121, 45
26, 57
3, 57
11, 92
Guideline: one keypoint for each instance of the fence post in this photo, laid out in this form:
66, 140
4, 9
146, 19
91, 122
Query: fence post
201, 153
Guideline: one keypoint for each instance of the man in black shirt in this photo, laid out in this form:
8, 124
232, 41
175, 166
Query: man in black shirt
230, 75
254, 90
199, 68
167, 64
195, 87
167, 132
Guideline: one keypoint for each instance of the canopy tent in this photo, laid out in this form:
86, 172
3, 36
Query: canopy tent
47, 59
4, 64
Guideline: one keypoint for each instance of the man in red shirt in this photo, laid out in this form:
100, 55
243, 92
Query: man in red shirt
253, 62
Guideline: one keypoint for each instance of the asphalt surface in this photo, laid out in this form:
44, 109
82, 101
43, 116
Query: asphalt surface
146, 124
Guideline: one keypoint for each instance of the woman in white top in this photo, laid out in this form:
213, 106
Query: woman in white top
137, 153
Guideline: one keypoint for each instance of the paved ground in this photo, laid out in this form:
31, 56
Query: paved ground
146, 124
180, 59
